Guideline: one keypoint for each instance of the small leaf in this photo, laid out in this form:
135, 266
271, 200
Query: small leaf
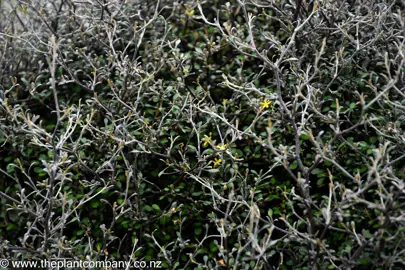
320, 181
270, 213
213, 247
10, 227
367, 234
304, 136
38, 170
95, 204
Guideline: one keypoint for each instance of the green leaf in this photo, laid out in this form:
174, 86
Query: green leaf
118, 184
367, 234
95, 204
363, 144
270, 213
304, 136
156, 207
320, 181
38, 170
10, 227
198, 231
50, 126
85, 220
213, 247
317, 171
370, 151
192, 148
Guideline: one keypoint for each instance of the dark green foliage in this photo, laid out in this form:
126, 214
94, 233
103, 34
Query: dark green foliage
220, 136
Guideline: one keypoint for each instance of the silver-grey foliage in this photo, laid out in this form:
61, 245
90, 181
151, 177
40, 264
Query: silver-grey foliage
305, 116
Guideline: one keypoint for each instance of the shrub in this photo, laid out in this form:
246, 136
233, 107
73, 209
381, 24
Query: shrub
204, 134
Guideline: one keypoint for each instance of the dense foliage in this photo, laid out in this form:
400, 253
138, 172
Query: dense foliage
217, 134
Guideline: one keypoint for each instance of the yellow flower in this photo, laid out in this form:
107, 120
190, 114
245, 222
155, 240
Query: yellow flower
224, 101
190, 13
265, 104
217, 162
221, 147
207, 140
